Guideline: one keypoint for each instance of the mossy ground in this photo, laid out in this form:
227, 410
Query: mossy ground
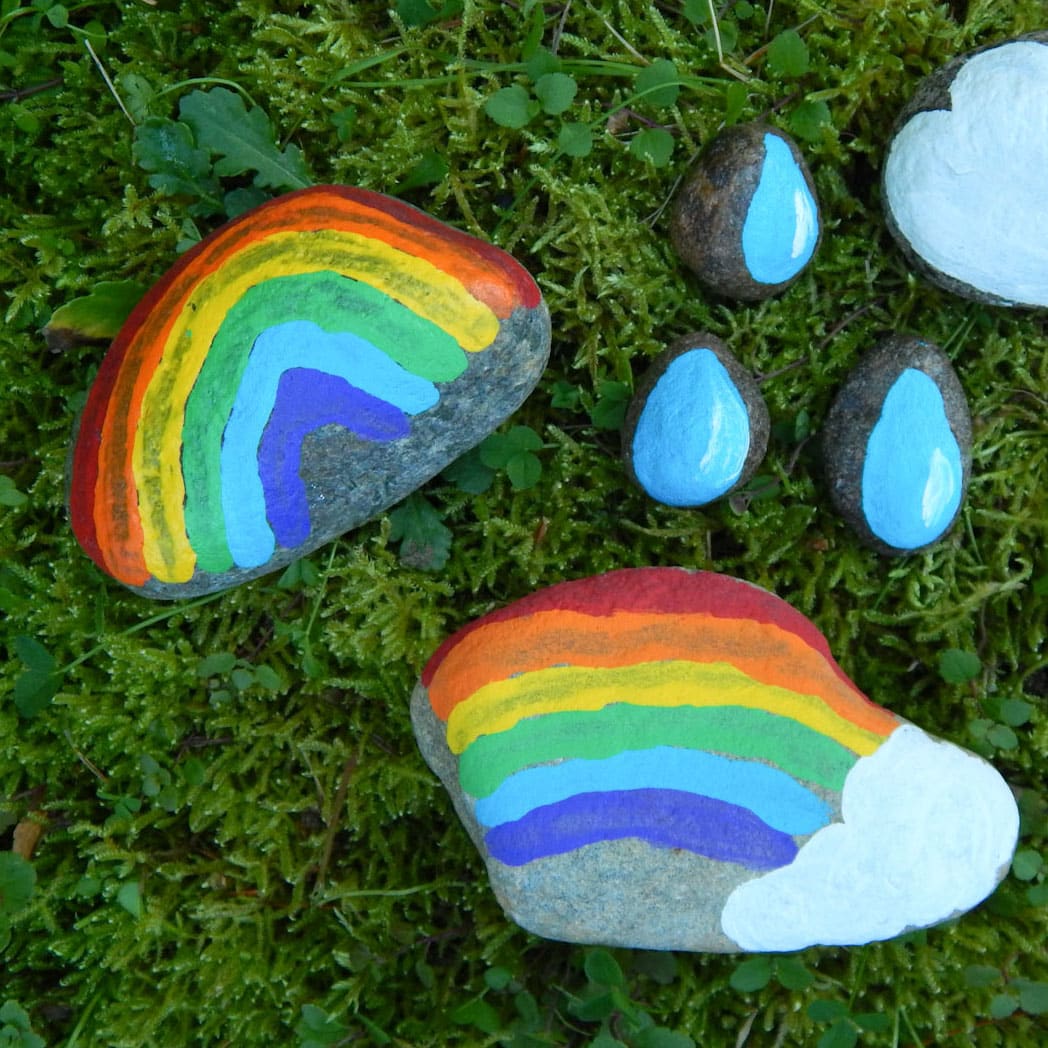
298, 851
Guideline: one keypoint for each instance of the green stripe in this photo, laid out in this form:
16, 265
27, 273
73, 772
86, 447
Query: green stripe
734, 730
333, 302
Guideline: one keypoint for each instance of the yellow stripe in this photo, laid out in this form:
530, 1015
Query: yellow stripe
499, 706
412, 281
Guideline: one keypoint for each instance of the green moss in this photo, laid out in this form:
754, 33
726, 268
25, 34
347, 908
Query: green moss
303, 854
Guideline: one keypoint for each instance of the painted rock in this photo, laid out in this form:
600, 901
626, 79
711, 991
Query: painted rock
672, 760
963, 181
897, 446
745, 218
697, 426
297, 372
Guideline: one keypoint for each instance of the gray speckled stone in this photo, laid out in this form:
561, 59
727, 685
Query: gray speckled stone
906, 494
697, 426
746, 218
665, 759
963, 177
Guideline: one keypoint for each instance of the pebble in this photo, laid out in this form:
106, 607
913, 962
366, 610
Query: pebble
663, 759
697, 426
294, 374
746, 219
898, 446
963, 178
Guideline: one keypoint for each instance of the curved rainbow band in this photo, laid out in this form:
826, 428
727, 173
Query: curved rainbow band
406, 280
686, 709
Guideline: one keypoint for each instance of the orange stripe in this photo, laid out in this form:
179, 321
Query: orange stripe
144, 336
763, 652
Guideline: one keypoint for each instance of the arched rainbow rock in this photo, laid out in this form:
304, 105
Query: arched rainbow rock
294, 374
664, 759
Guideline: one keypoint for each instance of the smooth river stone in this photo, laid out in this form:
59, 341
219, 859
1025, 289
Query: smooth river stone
672, 760
746, 218
964, 177
697, 426
897, 446
293, 375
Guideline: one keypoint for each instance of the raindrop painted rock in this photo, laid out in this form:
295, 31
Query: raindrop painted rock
964, 176
294, 374
672, 760
746, 218
897, 446
697, 426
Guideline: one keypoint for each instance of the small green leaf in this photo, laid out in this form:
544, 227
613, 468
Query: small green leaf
344, 122
97, 316
34, 655
1003, 1005
1033, 998
242, 678
1001, 736
751, 975
594, 1009
528, 1009
177, 165
1026, 864
243, 198
556, 92
511, 107
1016, 712
842, 1034
479, 1014
33, 691
658, 83
809, 119
658, 965
609, 412
58, 16
316, 1027
603, 969
736, 98
978, 976
1037, 894
875, 1022
130, 898
415, 13
575, 140
662, 1037
788, 54
425, 543
10, 496
266, 677
498, 978
430, 170
17, 881
218, 664
243, 138
792, 974
959, 667
605, 1040
654, 144
469, 473
697, 12
523, 470
822, 1011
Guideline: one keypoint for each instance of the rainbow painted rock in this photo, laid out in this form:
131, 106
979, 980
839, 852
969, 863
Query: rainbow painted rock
665, 759
297, 372
697, 426
897, 445
746, 219
963, 177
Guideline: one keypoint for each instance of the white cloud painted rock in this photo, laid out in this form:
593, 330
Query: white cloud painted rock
966, 175
664, 759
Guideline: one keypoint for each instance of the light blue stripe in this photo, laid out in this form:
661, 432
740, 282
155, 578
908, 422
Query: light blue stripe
296, 344
772, 795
